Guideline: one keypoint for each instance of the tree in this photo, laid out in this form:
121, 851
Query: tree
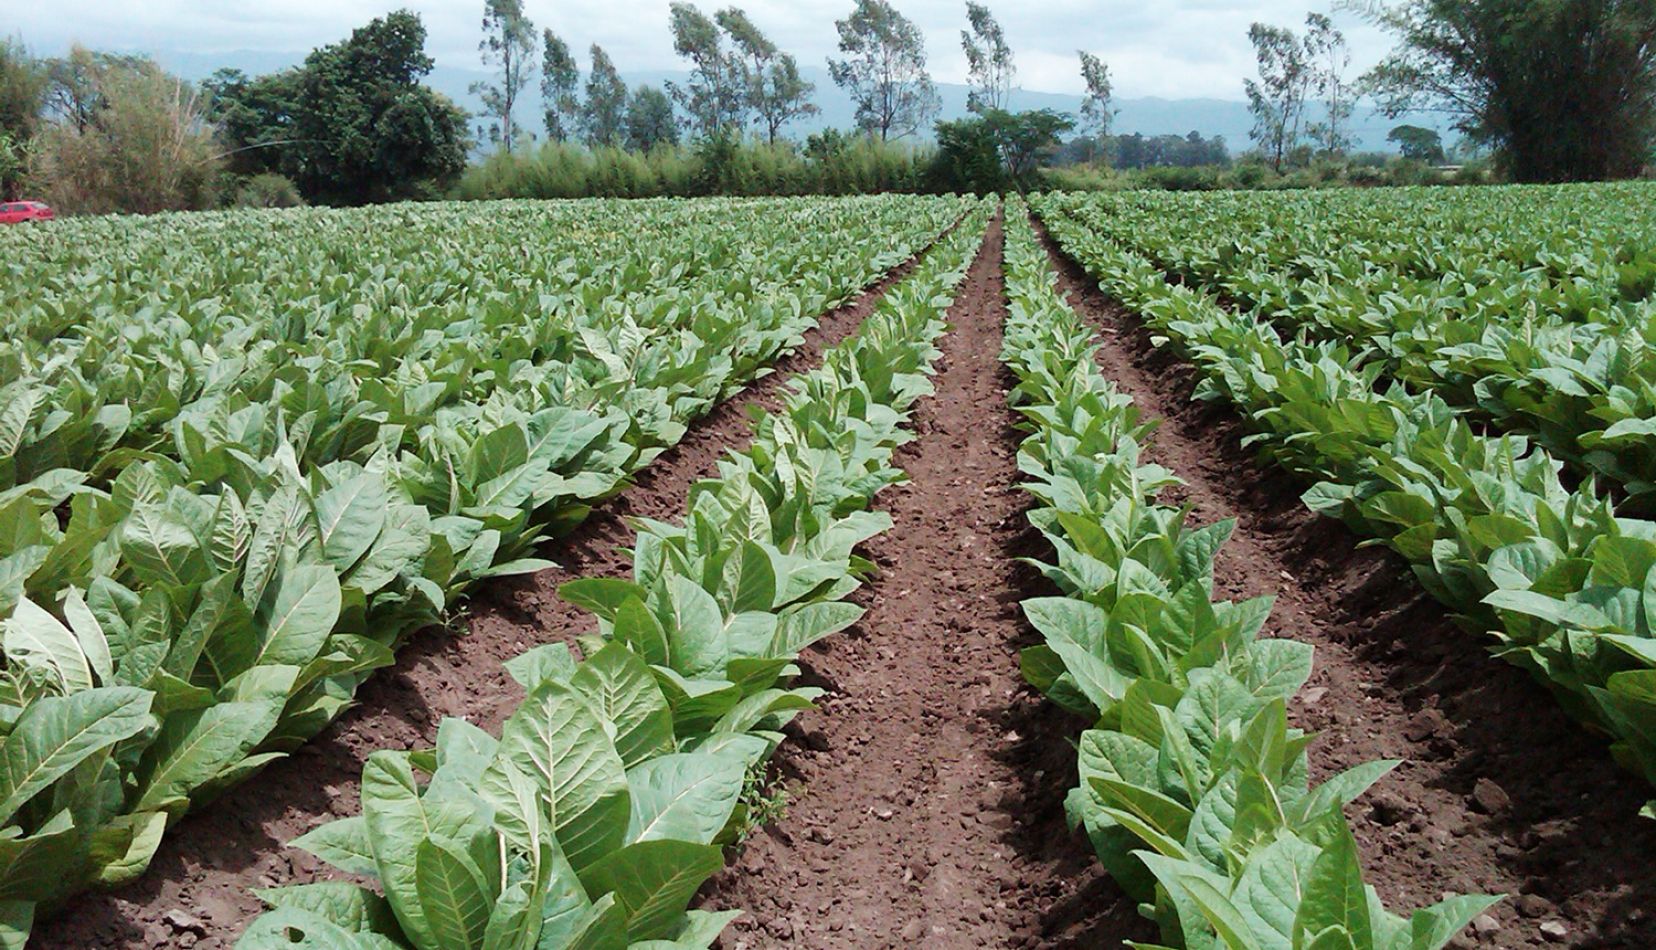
776, 93
1326, 49
716, 94
507, 48
1561, 89
254, 117
353, 124
1277, 98
650, 120
560, 77
1097, 109
141, 145
604, 116
884, 70
968, 158
988, 60
22, 97
1026, 140
1419, 144
996, 149
74, 88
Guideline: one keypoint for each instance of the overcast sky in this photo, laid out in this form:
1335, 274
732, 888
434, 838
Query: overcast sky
1178, 49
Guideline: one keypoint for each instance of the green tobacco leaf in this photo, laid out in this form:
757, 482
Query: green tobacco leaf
349, 518
625, 693
56, 734
121, 851
687, 796
799, 628
557, 739
194, 747
653, 881
295, 622
35, 639
398, 819
343, 843
346, 905
601, 595
453, 895
1432, 927
291, 928
1333, 897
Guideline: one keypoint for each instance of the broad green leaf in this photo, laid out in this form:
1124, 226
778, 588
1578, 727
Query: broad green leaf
37, 640
56, 734
295, 621
686, 796
453, 895
653, 882
625, 694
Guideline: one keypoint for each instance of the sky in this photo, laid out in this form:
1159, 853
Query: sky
1169, 48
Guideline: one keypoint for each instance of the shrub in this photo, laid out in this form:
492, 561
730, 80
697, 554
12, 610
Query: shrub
268, 190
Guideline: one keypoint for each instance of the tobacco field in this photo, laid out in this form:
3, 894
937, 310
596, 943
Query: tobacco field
1262, 571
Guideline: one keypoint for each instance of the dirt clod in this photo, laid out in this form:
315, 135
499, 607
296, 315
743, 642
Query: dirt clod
1489, 798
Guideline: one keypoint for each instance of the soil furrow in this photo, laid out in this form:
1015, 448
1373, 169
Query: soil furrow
928, 786
1499, 791
197, 891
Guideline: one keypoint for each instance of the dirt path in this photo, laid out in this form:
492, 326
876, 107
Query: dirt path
928, 787
1499, 790
197, 892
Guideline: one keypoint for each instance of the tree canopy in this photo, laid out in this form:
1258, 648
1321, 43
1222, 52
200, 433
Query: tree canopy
1561, 89
884, 70
353, 124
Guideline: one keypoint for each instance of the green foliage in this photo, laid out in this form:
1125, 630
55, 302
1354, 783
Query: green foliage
1564, 90
1097, 110
989, 62
132, 139
268, 190
1418, 144
776, 92
560, 101
650, 120
1194, 789
604, 114
22, 96
884, 70
352, 125
1372, 394
221, 520
600, 809
507, 50
831, 163
968, 157
996, 150
716, 96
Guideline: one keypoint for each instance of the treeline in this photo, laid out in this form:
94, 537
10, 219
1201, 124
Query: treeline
95, 132
1557, 91
1563, 90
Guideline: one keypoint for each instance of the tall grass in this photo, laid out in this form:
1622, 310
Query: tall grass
834, 165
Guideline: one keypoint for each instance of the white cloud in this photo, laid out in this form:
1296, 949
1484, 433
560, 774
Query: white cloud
1174, 48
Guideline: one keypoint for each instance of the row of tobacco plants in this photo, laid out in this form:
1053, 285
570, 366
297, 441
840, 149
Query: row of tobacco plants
1527, 307
232, 484
1193, 787
605, 802
1564, 585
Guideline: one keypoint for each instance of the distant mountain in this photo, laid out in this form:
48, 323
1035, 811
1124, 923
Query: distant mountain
1147, 116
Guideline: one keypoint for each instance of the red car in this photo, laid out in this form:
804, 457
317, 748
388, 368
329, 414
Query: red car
17, 212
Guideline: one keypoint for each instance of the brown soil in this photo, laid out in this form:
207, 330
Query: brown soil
927, 789
197, 891
1499, 791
